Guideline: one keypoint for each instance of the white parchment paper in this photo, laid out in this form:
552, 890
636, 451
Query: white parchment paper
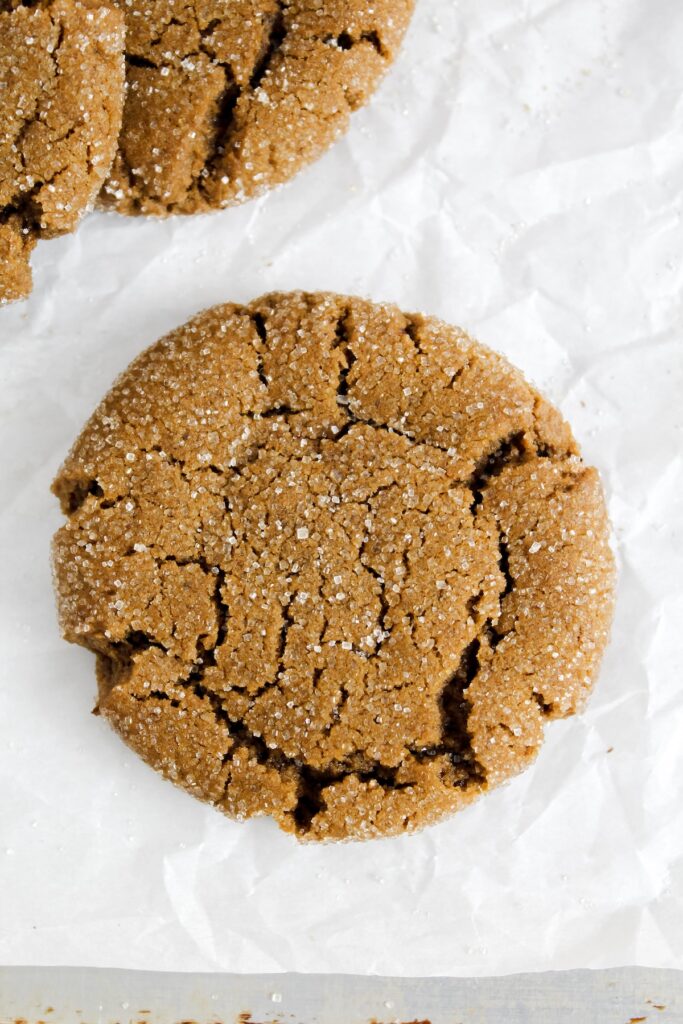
520, 173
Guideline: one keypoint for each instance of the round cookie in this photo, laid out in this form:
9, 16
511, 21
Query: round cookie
339, 565
61, 67
228, 98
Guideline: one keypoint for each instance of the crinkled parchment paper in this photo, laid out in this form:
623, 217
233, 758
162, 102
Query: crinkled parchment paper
520, 173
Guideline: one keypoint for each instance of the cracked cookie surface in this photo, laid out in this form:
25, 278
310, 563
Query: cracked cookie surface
228, 98
62, 77
338, 564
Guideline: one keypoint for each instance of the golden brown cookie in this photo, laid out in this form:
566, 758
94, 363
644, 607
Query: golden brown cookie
339, 565
227, 98
61, 98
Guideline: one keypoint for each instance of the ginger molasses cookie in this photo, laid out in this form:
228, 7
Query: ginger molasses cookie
227, 98
61, 98
339, 565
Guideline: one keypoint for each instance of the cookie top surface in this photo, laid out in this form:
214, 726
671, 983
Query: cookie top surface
61, 67
339, 564
228, 98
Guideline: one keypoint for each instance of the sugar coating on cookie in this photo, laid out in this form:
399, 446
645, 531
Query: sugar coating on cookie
339, 565
61, 100
227, 99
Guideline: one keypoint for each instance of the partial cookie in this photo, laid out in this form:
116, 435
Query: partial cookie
227, 99
16, 245
339, 565
61, 99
